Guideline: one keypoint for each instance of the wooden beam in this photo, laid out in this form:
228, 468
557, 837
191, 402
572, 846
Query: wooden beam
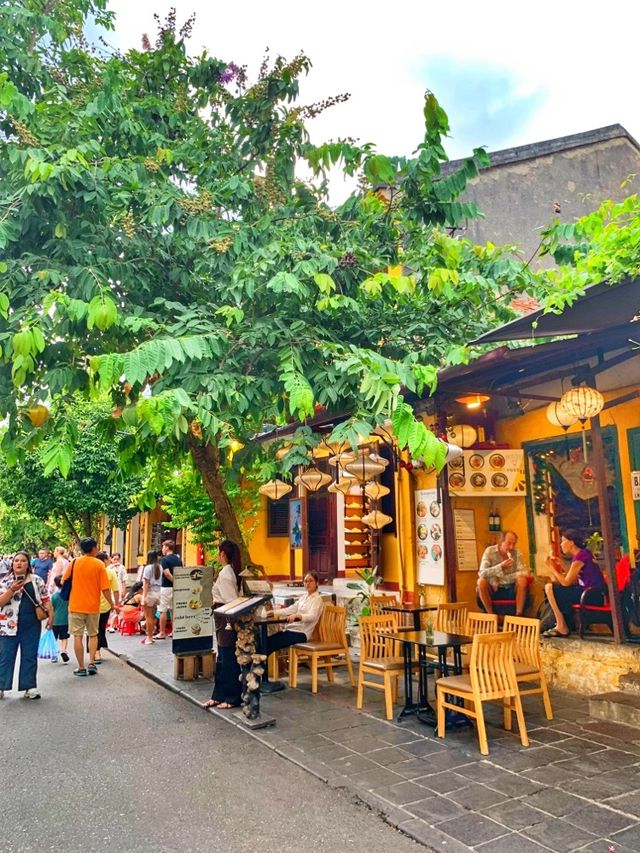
625, 398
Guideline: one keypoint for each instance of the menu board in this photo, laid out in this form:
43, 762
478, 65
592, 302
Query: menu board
429, 537
487, 473
464, 523
191, 611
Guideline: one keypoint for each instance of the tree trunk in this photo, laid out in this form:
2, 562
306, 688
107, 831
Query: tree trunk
207, 461
87, 524
71, 527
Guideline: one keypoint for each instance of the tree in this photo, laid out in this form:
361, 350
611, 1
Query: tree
162, 247
19, 530
93, 486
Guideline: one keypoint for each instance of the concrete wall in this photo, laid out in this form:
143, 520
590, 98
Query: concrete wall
518, 197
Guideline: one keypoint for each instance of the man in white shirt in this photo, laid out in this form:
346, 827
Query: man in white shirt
503, 573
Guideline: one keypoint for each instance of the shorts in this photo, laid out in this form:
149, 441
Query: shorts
78, 622
503, 593
152, 599
166, 599
60, 632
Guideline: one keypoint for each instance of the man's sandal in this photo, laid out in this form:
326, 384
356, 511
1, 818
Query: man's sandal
80, 672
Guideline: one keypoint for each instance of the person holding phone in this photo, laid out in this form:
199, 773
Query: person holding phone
20, 591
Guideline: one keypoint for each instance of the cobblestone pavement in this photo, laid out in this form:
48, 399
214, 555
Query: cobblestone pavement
577, 787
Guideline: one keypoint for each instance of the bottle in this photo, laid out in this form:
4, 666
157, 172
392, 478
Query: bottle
492, 523
497, 521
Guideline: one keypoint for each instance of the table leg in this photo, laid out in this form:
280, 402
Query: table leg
409, 705
425, 713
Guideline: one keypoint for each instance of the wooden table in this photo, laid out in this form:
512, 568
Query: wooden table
414, 611
424, 640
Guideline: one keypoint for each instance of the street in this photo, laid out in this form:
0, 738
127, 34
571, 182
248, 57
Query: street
115, 762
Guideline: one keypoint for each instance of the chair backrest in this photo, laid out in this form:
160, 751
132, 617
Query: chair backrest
491, 666
373, 646
452, 618
526, 632
379, 602
333, 624
481, 623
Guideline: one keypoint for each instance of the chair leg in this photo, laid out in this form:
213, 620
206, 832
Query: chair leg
482, 729
329, 669
548, 710
293, 667
440, 710
388, 696
507, 721
524, 737
394, 684
314, 673
360, 693
349, 667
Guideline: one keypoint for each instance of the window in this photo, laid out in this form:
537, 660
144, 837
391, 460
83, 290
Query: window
278, 517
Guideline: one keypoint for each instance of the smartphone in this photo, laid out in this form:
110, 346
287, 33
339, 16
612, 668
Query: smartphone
20, 578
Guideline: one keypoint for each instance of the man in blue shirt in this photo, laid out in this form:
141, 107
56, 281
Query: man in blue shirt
43, 564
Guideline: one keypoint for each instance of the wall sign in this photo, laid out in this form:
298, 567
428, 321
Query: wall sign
487, 473
464, 522
429, 537
635, 485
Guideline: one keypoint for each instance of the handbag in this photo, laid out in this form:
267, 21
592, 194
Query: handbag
65, 589
41, 611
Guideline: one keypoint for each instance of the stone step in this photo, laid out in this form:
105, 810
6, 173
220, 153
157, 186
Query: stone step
618, 706
630, 682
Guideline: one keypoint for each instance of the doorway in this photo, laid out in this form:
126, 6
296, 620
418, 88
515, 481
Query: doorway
322, 540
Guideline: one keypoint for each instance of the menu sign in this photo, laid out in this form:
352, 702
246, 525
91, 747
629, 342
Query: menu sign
487, 473
464, 524
430, 537
191, 612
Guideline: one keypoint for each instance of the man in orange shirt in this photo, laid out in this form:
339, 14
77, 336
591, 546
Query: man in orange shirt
89, 582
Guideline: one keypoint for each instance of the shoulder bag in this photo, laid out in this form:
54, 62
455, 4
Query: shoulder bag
41, 611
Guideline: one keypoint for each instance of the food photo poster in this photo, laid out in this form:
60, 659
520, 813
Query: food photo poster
429, 537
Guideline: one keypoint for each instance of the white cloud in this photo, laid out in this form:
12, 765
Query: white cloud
581, 64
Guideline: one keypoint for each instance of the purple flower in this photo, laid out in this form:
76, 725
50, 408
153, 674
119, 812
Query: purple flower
229, 73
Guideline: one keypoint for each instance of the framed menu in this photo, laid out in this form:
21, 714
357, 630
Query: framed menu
487, 474
464, 524
429, 537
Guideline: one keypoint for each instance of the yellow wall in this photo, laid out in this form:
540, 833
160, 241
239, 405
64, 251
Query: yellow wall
272, 552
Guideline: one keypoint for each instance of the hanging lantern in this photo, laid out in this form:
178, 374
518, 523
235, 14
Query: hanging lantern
583, 402
341, 459
473, 401
275, 489
559, 416
462, 435
312, 479
281, 452
366, 467
375, 491
376, 519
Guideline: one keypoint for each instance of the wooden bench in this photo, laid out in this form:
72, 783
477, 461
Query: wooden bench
190, 667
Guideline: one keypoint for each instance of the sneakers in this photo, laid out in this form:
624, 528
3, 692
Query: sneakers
111, 630
31, 694
65, 657
54, 660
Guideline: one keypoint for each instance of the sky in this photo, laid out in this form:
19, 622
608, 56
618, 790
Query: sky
506, 73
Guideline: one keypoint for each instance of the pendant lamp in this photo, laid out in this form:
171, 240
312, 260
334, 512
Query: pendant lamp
341, 459
375, 491
559, 416
312, 479
365, 467
583, 402
453, 452
275, 489
376, 519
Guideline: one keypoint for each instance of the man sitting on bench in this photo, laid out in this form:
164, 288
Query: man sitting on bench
503, 574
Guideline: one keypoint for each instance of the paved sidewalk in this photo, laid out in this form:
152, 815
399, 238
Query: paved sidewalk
577, 787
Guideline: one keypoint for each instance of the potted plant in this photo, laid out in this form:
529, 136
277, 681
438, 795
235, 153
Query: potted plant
360, 604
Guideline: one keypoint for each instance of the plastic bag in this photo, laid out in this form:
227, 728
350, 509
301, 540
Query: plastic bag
48, 646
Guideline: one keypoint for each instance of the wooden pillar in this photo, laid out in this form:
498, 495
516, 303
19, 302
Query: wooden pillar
448, 532
599, 467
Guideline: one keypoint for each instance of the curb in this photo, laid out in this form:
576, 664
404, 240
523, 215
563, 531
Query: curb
376, 804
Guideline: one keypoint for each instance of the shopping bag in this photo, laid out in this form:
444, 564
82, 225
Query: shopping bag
48, 646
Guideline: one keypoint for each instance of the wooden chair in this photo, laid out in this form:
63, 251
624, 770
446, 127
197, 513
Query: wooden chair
377, 658
452, 618
329, 651
491, 678
526, 654
379, 602
481, 623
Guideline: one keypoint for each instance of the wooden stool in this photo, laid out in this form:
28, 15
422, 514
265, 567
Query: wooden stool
190, 667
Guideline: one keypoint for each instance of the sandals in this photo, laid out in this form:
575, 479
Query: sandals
31, 694
92, 669
80, 672
226, 706
212, 703
553, 632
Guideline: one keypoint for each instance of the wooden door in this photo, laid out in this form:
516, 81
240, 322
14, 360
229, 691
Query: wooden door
321, 526
633, 437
